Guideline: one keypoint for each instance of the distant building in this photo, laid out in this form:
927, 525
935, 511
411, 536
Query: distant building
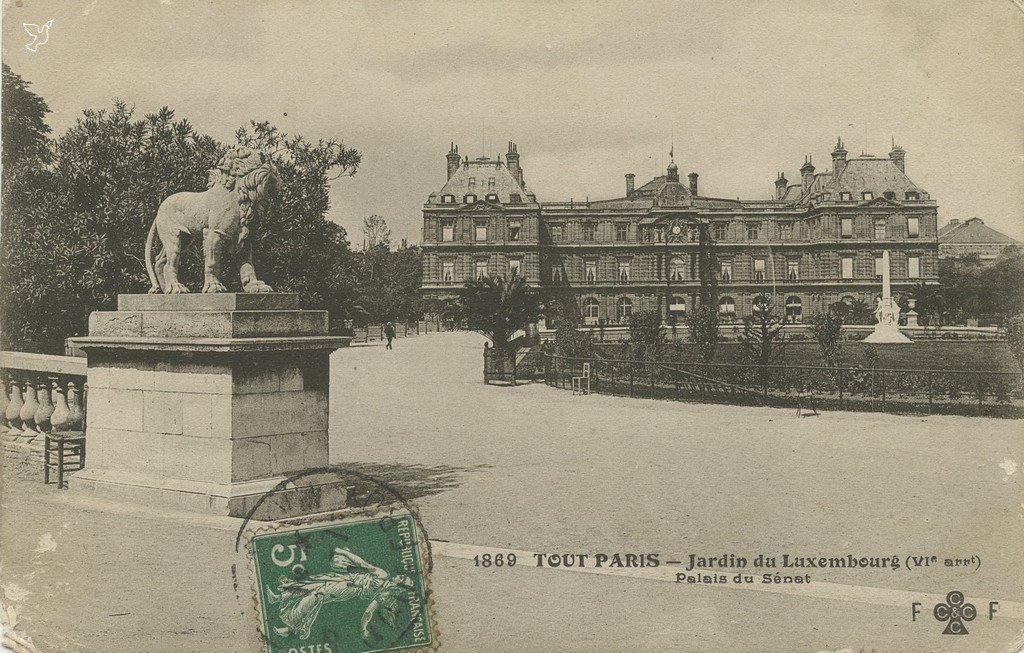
816, 242
957, 239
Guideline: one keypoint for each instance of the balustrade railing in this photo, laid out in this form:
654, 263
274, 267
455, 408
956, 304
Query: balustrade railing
40, 395
965, 392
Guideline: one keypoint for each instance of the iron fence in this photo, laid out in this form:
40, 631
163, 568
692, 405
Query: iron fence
963, 392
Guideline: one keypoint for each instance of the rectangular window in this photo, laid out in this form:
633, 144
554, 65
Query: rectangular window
914, 267
448, 271
792, 269
556, 272
759, 269
447, 231
721, 230
844, 196
725, 270
590, 271
480, 230
621, 231
785, 230
753, 230
867, 195
623, 271
589, 231
879, 228
677, 269
557, 231
515, 230
472, 184
514, 267
913, 227
879, 266
481, 269
846, 227
847, 269
515, 198
490, 183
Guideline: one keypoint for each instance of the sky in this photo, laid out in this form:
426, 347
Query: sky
590, 91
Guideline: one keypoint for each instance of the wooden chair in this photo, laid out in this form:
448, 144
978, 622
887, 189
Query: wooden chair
581, 384
64, 452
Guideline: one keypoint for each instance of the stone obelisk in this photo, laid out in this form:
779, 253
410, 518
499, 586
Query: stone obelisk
888, 312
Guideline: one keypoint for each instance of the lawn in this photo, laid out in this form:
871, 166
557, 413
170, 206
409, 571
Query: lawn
986, 355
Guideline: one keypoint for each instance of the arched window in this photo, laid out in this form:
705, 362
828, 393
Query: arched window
761, 304
624, 308
677, 305
794, 309
591, 309
727, 307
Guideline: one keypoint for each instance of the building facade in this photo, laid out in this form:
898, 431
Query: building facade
973, 237
817, 241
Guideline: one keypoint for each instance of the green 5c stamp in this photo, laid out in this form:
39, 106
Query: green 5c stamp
347, 587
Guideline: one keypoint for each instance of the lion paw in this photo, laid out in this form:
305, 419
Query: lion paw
212, 285
176, 288
257, 286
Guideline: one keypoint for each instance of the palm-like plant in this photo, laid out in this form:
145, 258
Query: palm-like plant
497, 307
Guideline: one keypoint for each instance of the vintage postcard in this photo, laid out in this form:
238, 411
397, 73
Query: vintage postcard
589, 326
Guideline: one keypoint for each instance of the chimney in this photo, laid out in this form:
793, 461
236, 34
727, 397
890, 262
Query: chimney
693, 183
630, 184
781, 183
838, 159
898, 156
807, 172
453, 159
512, 162
954, 222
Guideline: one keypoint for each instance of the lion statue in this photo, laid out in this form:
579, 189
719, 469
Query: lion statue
239, 188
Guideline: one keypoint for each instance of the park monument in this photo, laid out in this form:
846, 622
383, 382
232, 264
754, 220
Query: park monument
887, 312
214, 401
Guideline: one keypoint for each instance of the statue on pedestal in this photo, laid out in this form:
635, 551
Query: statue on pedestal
887, 312
240, 187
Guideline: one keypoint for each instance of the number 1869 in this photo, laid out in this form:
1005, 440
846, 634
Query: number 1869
496, 560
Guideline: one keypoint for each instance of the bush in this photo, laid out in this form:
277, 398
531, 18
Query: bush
702, 324
573, 343
1015, 337
828, 331
646, 336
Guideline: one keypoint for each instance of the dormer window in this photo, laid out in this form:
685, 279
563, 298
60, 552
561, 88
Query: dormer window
469, 198
867, 195
472, 184
911, 195
845, 196
515, 197
492, 197
889, 195
490, 183
447, 198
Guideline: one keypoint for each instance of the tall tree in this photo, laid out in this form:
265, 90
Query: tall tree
376, 231
498, 308
23, 120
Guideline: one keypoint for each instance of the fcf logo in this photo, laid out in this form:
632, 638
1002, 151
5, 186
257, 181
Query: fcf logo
955, 611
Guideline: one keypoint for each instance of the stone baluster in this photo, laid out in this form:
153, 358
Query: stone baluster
28, 412
45, 410
14, 409
76, 418
60, 419
4, 401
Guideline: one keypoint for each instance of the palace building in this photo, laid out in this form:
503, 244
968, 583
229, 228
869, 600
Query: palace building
817, 241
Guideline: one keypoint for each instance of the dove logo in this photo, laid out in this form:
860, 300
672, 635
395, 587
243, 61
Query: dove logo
40, 35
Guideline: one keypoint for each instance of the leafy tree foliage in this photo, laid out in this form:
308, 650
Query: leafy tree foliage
702, 324
497, 308
763, 341
856, 312
646, 336
389, 285
376, 232
23, 118
76, 211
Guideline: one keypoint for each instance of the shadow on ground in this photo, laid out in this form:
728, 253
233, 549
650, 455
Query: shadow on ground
408, 481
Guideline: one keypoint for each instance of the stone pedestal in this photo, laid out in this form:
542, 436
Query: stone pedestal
208, 401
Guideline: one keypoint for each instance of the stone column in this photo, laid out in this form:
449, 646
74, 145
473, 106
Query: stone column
206, 402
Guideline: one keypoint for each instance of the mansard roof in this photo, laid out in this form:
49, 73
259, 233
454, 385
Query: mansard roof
661, 192
482, 170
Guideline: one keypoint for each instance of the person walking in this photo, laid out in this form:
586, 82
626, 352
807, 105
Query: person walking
389, 333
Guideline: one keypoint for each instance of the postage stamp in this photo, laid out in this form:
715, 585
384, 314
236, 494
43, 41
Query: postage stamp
358, 585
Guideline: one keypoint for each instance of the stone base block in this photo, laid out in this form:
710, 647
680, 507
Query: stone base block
307, 495
887, 335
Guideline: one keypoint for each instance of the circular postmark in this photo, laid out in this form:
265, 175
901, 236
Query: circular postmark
353, 578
